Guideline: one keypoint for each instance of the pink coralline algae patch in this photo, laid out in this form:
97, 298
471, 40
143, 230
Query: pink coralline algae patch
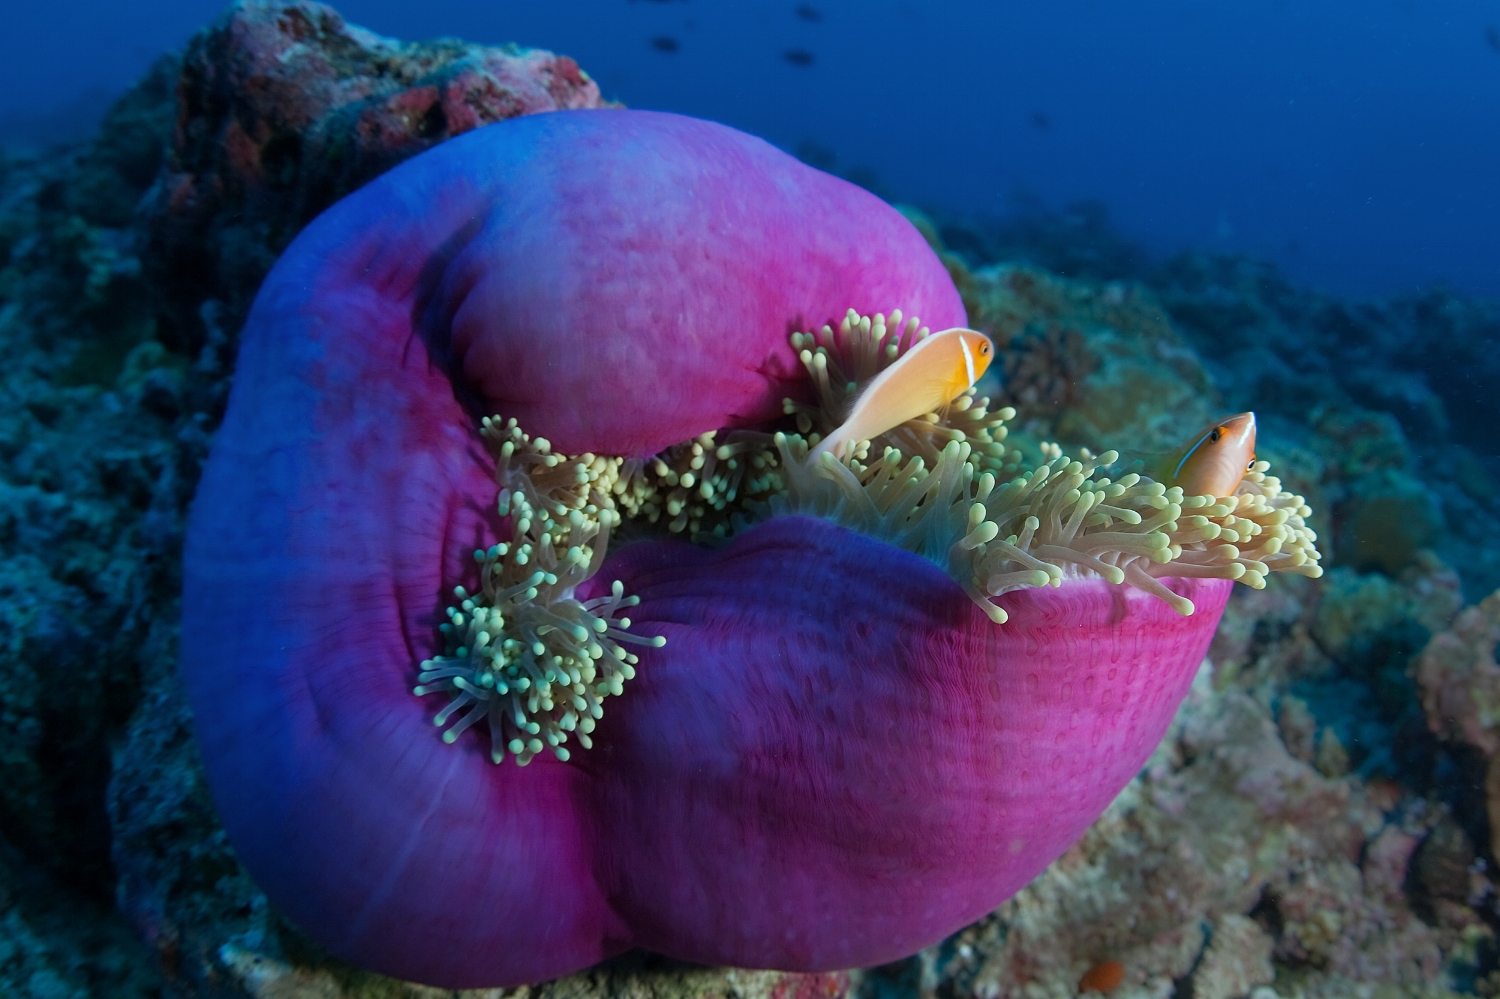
836, 758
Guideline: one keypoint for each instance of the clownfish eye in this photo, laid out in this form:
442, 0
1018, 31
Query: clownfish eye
984, 348
1218, 432
1250, 465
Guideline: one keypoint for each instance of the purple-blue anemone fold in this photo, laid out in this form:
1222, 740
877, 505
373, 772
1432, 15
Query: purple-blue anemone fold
836, 758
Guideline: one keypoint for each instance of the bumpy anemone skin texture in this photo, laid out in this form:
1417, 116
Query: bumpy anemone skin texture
835, 759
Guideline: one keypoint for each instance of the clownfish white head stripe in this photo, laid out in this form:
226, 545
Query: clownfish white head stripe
933, 373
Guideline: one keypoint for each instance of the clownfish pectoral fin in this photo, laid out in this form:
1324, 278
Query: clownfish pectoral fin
925, 379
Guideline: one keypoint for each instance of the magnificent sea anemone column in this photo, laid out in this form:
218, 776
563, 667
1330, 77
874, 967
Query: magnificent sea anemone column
524, 625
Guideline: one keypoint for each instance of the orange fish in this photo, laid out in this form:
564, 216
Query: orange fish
927, 377
1103, 977
1213, 461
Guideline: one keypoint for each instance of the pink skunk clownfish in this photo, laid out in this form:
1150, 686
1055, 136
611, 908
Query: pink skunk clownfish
1213, 461
933, 373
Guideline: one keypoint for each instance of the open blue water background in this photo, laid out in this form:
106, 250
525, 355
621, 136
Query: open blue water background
1354, 142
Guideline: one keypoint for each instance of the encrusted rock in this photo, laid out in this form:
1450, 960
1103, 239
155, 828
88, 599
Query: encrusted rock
1460, 679
1237, 960
1389, 517
1441, 864
283, 108
1089, 365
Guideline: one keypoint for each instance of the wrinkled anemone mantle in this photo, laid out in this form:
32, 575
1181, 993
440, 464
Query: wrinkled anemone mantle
835, 760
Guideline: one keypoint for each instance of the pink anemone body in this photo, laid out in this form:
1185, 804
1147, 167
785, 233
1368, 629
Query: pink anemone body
835, 760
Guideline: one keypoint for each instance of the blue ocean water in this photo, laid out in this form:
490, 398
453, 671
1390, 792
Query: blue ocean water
1354, 144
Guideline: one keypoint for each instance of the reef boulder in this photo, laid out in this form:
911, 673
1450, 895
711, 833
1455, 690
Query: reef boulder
283, 108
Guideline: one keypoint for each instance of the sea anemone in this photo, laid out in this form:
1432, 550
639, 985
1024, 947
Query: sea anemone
857, 701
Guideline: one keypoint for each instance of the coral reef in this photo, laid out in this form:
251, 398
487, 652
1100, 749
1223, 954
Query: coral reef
285, 108
1461, 680
1356, 823
1408, 465
1089, 363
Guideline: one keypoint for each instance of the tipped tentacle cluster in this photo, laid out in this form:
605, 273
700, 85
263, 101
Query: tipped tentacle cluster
524, 653
537, 663
700, 485
1058, 521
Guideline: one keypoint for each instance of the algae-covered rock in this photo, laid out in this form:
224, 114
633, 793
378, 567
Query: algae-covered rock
1359, 611
1388, 517
1460, 679
283, 108
1090, 363
1237, 960
1085, 363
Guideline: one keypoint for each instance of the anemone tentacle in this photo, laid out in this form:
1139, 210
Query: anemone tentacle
524, 652
971, 506
968, 506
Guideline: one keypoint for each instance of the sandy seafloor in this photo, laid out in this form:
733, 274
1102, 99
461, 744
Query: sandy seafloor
1315, 824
